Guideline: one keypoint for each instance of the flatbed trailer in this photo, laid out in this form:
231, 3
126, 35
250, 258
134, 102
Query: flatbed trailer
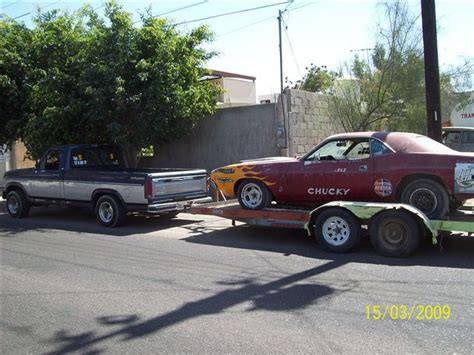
395, 229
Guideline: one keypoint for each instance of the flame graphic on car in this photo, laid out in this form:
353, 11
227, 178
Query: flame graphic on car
234, 173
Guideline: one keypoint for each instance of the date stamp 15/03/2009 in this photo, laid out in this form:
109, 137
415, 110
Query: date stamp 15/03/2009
408, 312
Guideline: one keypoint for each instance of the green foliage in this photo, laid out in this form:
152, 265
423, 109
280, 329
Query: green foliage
14, 42
387, 89
317, 79
94, 80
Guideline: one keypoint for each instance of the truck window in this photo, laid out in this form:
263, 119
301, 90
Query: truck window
52, 160
468, 137
96, 157
84, 158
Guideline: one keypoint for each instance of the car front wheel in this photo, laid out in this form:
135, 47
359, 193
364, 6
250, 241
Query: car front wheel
254, 195
429, 196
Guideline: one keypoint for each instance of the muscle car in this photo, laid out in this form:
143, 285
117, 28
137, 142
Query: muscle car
363, 166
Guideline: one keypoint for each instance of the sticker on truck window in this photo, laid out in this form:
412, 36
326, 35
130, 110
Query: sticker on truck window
464, 178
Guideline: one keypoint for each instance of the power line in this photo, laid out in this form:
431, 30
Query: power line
181, 8
28, 13
292, 51
13, 3
246, 26
231, 13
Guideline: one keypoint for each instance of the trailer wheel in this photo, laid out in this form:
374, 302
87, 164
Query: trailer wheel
254, 195
109, 211
337, 230
395, 234
17, 204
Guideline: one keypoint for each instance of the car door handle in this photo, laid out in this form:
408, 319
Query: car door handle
363, 168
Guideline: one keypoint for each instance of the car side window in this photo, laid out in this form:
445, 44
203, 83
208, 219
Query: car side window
52, 161
343, 149
452, 137
377, 148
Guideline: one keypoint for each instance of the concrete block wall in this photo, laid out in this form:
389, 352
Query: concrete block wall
309, 121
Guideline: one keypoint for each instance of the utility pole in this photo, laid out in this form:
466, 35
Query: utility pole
280, 13
432, 90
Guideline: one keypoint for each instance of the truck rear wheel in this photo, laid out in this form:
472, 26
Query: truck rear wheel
337, 230
17, 204
109, 211
395, 234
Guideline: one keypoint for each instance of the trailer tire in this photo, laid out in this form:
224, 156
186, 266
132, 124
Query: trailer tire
254, 195
17, 204
337, 230
109, 211
395, 234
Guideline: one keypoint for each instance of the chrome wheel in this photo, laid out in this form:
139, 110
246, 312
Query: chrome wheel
336, 231
424, 199
251, 195
13, 204
106, 212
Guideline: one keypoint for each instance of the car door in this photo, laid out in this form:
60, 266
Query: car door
338, 170
48, 176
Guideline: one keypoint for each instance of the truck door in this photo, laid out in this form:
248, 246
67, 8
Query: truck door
48, 176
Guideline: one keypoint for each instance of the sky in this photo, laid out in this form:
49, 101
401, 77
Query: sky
322, 32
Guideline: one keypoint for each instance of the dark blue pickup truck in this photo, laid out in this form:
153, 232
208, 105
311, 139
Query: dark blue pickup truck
96, 176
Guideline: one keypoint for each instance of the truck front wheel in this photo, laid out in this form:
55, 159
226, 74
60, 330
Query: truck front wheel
109, 211
17, 204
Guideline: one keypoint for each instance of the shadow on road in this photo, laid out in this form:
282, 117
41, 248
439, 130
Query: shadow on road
81, 220
458, 252
278, 295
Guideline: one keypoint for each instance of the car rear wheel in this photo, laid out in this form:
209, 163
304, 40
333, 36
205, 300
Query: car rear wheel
109, 211
429, 196
337, 230
254, 195
395, 234
17, 204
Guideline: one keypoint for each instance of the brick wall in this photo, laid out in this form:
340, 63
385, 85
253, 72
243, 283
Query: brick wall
309, 121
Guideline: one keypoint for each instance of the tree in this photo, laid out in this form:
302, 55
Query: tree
94, 80
387, 86
317, 79
14, 41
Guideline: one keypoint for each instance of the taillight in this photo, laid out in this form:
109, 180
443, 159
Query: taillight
149, 187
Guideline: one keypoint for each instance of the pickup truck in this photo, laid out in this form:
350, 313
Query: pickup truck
96, 176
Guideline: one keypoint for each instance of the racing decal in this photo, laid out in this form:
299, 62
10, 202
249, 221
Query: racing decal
332, 191
383, 187
464, 178
235, 173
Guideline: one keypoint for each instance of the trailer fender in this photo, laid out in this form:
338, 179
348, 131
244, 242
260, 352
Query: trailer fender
365, 211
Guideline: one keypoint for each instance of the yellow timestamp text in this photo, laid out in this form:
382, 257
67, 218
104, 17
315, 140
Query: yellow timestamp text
408, 312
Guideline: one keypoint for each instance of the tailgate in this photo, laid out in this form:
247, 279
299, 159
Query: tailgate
184, 187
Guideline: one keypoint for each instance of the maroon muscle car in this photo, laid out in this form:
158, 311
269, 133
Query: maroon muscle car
366, 166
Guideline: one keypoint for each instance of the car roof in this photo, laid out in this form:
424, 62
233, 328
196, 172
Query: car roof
400, 141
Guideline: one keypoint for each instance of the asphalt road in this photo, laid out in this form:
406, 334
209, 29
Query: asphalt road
198, 285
